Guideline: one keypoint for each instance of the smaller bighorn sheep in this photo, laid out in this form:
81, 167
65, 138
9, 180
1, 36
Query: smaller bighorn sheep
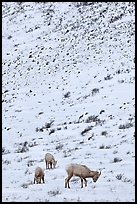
81, 171
50, 161
39, 175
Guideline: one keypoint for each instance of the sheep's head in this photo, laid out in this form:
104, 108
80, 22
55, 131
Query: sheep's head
54, 163
96, 176
38, 180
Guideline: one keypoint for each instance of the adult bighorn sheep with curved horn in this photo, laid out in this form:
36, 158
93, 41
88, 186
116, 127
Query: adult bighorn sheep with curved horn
81, 171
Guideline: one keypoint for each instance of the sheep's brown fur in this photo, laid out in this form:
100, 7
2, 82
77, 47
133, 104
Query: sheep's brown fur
50, 161
81, 171
39, 175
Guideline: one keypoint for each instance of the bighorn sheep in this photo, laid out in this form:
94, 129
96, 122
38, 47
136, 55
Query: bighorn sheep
81, 171
50, 161
39, 175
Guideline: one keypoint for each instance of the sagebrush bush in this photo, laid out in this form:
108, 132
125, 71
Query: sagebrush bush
116, 159
95, 91
124, 126
119, 176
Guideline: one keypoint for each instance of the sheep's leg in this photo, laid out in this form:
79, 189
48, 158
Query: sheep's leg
34, 180
46, 164
81, 182
85, 181
67, 181
43, 179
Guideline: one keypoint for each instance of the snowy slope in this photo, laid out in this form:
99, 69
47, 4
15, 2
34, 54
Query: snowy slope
68, 87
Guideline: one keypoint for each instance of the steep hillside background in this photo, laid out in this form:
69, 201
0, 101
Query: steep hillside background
68, 88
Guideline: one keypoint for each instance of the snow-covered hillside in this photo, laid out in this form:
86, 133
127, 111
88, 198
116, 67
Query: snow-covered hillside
68, 88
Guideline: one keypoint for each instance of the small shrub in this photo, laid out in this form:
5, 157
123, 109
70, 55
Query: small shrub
54, 192
127, 180
86, 130
102, 111
91, 137
116, 159
51, 131
102, 146
82, 142
9, 37
119, 176
127, 125
58, 128
91, 118
67, 153
48, 125
39, 129
108, 77
67, 95
30, 163
115, 152
41, 113
105, 147
95, 91
24, 185
23, 147
94, 118
108, 147
6, 162
104, 133
32, 144
59, 147
115, 18
4, 151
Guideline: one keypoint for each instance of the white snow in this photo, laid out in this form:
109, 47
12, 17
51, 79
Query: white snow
71, 64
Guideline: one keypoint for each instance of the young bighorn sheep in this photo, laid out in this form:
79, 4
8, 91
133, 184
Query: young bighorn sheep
50, 161
39, 175
81, 171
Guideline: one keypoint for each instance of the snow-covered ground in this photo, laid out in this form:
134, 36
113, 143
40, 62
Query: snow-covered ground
68, 88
